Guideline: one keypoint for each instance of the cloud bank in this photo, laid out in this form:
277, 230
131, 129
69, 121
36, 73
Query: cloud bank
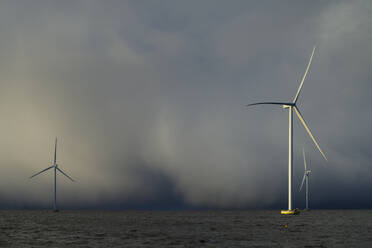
147, 100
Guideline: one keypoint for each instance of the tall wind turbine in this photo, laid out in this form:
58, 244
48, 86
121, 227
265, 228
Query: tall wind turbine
55, 167
306, 177
293, 106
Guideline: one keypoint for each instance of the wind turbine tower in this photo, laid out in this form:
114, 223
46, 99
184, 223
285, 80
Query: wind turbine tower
56, 168
293, 106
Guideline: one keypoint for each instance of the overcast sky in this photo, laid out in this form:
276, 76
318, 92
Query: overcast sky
147, 100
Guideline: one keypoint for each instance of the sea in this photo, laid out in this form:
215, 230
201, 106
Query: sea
315, 228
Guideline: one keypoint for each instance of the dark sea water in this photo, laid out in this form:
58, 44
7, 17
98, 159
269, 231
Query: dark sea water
316, 228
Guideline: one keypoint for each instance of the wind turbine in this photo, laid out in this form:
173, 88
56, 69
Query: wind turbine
293, 106
55, 167
306, 177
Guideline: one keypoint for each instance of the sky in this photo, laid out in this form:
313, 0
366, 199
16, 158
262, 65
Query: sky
147, 100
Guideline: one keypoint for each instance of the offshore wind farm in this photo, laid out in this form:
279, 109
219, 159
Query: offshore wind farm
156, 147
293, 106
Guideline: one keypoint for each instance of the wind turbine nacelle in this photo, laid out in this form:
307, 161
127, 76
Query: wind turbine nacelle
286, 106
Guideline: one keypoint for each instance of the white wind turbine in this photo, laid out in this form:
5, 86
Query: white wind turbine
290, 106
55, 167
306, 178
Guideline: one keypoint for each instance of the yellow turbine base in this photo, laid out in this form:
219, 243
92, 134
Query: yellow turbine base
290, 212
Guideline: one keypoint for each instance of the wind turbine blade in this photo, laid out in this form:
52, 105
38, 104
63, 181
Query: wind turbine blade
42, 171
65, 174
303, 180
274, 103
304, 76
55, 151
303, 152
309, 132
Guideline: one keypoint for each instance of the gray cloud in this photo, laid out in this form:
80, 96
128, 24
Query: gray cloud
148, 101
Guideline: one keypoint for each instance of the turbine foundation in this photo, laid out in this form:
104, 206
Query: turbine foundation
290, 212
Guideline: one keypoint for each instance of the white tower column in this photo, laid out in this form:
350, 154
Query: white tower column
307, 192
55, 188
290, 159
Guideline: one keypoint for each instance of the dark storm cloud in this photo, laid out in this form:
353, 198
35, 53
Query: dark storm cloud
147, 100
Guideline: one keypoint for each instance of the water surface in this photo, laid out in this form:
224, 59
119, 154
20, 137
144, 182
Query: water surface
316, 228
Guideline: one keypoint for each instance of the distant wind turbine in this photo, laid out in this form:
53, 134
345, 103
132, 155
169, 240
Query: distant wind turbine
306, 178
55, 166
290, 106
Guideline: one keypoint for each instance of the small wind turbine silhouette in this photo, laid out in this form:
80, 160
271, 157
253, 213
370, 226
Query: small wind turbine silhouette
306, 177
290, 106
55, 166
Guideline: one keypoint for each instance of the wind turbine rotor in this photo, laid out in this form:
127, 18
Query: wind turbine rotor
303, 180
65, 174
303, 153
271, 103
304, 76
55, 151
42, 171
299, 115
